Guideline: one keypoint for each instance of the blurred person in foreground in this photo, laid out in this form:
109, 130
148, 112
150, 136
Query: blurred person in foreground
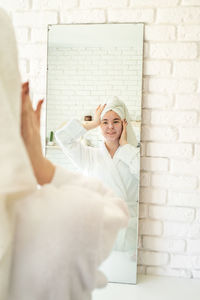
52, 239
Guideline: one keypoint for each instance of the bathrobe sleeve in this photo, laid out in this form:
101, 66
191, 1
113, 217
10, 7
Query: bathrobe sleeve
65, 230
68, 138
130, 155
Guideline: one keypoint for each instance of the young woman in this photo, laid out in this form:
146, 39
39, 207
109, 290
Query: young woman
115, 162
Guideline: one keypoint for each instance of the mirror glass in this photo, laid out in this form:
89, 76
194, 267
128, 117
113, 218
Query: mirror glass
89, 65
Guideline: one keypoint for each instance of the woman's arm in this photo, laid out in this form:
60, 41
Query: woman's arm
68, 137
30, 131
88, 125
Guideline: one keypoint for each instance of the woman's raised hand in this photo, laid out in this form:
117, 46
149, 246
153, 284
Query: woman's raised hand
30, 131
30, 122
96, 120
123, 138
97, 114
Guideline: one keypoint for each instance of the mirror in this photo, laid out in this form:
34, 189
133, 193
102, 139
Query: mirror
88, 65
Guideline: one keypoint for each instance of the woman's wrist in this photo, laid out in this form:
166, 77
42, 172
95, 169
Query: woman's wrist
88, 125
44, 171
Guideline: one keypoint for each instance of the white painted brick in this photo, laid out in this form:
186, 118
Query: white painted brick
154, 3
173, 50
168, 272
131, 15
197, 218
143, 211
145, 84
103, 3
169, 150
83, 16
167, 86
157, 67
141, 269
187, 102
149, 195
181, 230
139, 244
142, 149
190, 135
196, 274
22, 35
197, 151
174, 118
152, 258
190, 69
193, 246
146, 49
45, 4
144, 179
160, 33
66, 4
189, 33
34, 19
154, 164
191, 199
171, 213
54, 5
185, 167
150, 227
39, 35
161, 244
157, 101
11, 5
190, 2
158, 134
146, 116
178, 183
180, 261
180, 15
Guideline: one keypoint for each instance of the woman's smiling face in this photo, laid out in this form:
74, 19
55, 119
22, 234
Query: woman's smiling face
111, 126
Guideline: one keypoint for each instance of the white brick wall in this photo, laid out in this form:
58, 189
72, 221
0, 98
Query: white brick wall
169, 238
67, 66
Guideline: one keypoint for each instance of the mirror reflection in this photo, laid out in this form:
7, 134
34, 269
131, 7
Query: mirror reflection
94, 116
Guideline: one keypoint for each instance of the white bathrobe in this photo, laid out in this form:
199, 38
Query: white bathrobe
52, 240
119, 173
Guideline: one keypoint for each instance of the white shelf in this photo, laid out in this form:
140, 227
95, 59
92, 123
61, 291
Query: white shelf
151, 287
52, 147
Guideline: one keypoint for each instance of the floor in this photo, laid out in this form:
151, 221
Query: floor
152, 288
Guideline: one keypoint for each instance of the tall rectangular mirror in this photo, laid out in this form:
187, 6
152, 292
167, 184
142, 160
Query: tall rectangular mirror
91, 65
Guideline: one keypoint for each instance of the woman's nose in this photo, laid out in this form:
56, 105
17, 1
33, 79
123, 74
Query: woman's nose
110, 125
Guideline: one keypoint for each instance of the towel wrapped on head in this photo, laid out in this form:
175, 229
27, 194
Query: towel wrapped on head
120, 108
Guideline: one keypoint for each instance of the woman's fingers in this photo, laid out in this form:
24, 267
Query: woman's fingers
25, 90
38, 110
102, 107
98, 107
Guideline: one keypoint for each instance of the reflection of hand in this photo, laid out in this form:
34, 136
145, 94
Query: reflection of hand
30, 131
123, 138
97, 118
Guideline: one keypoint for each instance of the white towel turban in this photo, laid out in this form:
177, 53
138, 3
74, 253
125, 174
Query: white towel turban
120, 108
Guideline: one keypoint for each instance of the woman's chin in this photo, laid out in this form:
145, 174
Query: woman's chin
111, 138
